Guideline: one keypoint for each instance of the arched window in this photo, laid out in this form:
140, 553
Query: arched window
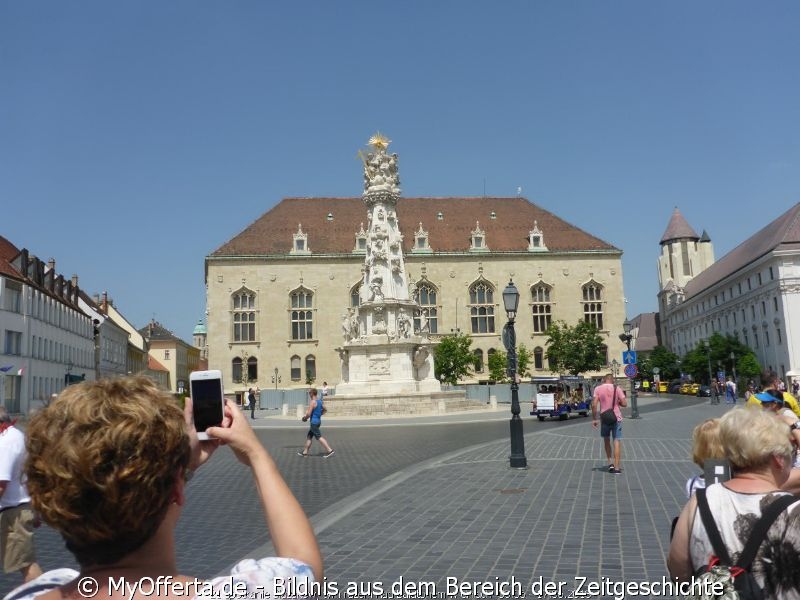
355, 295
481, 300
236, 370
295, 368
252, 369
244, 316
311, 368
426, 296
541, 307
538, 358
478, 360
593, 304
302, 315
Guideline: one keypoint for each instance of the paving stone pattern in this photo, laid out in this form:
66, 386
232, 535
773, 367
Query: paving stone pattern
442, 502
472, 518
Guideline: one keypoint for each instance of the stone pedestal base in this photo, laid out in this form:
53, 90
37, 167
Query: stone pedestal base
401, 405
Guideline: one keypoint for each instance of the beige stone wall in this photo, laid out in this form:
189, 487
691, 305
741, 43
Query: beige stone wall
331, 279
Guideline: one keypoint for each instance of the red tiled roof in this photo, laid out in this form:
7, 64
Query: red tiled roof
508, 231
154, 365
8, 252
678, 228
782, 232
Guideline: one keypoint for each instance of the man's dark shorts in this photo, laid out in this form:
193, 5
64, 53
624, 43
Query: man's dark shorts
314, 432
611, 430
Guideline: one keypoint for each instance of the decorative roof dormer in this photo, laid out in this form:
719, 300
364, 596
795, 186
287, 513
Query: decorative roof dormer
478, 239
300, 242
421, 244
361, 241
536, 239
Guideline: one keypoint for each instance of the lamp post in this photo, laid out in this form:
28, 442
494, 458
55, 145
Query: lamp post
517, 459
276, 379
627, 337
708, 356
733, 364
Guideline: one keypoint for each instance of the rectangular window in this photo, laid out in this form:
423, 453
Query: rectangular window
759, 279
771, 274
780, 339
166, 354
775, 303
13, 342
763, 308
13, 296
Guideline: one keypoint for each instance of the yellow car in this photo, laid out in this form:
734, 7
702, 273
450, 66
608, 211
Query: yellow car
685, 388
694, 388
663, 386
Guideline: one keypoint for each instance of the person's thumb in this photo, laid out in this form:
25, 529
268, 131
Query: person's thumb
219, 433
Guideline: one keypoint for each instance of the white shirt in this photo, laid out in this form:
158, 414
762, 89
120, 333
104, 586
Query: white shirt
12, 457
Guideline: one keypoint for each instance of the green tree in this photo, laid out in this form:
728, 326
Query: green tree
747, 366
524, 359
575, 349
498, 364
666, 361
452, 358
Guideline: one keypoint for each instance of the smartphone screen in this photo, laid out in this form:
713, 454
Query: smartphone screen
206, 403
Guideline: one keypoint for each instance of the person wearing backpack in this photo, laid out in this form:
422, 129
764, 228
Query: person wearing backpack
728, 531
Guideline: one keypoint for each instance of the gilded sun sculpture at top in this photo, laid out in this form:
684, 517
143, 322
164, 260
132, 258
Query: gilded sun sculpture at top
379, 141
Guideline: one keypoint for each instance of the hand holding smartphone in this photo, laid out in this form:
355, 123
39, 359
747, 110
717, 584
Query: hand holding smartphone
208, 400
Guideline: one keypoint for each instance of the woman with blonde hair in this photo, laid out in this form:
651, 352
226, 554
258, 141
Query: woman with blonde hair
759, 447
705, 445
108, 463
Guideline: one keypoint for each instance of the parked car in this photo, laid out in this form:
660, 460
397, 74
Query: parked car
694, 388
704, 391
685, 388
663, 386
675, 387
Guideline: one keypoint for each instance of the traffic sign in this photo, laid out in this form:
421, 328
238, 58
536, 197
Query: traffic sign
629, 357
631, 371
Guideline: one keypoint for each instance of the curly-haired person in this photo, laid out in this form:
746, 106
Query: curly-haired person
107, 467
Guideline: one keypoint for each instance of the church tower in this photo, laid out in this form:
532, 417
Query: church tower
684, 255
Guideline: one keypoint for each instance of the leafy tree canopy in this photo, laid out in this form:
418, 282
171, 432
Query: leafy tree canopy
714, 354
575, 349
498, 364
452, 358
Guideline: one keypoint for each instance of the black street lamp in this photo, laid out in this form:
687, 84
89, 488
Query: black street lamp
276, 379
517, 459
627, 337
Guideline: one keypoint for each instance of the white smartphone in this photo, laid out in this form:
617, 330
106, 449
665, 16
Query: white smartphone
208, 400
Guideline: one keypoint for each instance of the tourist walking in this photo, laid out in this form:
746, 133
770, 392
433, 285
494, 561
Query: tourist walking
316, 408
608, 396
730, 391
251, 400
17, 520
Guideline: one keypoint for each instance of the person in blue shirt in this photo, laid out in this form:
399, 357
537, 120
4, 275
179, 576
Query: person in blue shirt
316, 408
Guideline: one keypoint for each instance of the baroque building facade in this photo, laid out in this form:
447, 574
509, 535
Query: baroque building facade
282, 293
752, 293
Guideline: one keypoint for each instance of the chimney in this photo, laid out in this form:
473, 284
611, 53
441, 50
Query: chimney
74, 281
24, 262
51, 264
104, 303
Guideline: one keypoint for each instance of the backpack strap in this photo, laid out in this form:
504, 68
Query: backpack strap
711, 528
760, 529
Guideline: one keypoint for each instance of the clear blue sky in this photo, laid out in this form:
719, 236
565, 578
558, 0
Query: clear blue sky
138, 137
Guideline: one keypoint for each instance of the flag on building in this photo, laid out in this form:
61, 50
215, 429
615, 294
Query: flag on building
21, 371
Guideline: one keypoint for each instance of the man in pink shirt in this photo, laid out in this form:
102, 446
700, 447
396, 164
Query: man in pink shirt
604, 399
